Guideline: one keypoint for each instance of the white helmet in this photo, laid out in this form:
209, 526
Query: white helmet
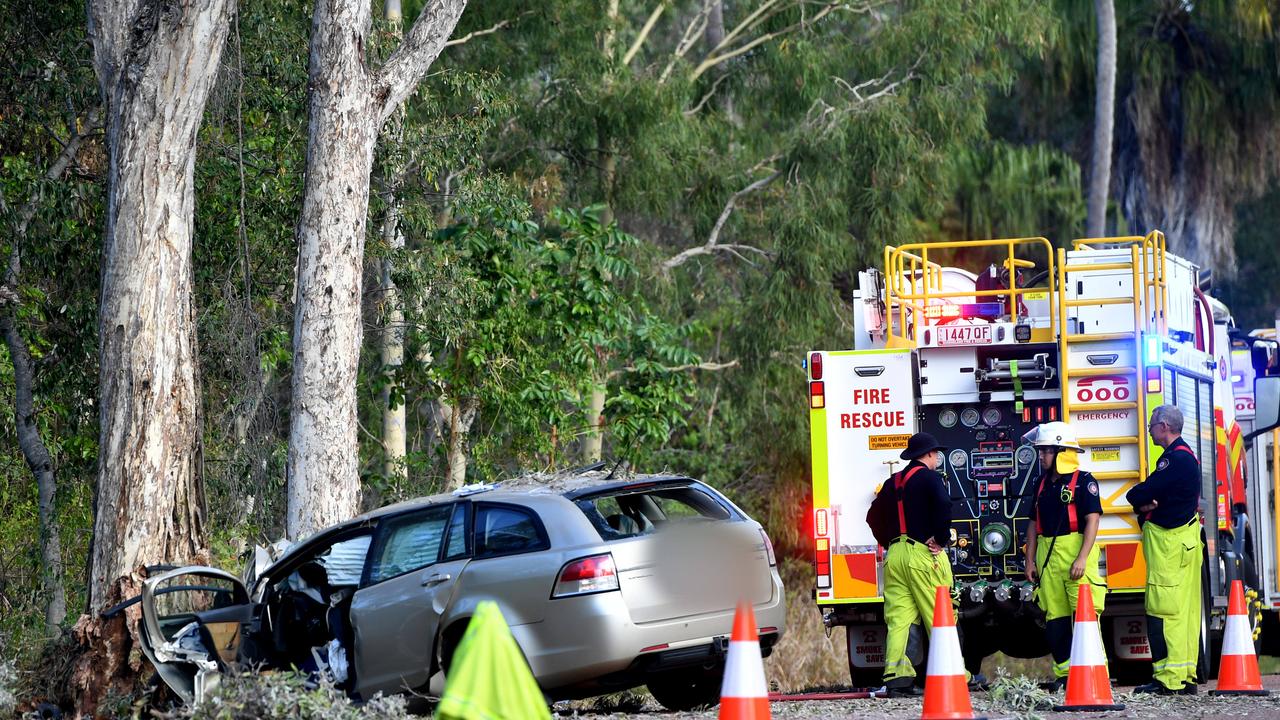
1053, 434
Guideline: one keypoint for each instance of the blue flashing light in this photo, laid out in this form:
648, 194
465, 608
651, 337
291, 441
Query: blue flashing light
987, 310
1151, 344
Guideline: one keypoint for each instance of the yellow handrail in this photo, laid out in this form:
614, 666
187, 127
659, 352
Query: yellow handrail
912, 280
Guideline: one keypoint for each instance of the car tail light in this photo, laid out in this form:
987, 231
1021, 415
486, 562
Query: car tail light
583, 576
820, 522
768, 548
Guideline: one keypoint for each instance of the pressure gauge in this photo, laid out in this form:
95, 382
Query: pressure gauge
947, 418
1026, 455
991, 416
969, 417
959, 458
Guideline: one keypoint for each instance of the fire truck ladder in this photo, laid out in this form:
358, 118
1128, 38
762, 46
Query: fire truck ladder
1146, 265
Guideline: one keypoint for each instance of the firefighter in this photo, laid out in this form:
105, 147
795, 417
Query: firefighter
1168, 505
916, 506
1061, 553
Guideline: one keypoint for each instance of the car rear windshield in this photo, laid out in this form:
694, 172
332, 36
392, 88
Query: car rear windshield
629, 512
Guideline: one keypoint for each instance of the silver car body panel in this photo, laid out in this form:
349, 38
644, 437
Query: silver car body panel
677, 589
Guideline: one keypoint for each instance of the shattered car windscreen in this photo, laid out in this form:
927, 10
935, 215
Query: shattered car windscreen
629, 513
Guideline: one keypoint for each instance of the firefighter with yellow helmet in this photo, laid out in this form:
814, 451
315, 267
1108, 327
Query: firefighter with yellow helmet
1061, 551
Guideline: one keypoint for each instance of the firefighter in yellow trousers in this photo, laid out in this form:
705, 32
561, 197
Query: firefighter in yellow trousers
911, 518
1061, 553
1168, 505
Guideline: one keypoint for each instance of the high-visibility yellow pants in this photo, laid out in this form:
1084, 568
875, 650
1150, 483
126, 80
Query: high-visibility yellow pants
912, 575
1173, 600
1058, 595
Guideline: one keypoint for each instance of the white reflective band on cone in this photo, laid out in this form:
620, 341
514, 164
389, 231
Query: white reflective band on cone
944, 652
744, 672
1238, 638
1086, 645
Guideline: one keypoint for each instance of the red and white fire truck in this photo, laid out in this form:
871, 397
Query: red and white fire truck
978, 341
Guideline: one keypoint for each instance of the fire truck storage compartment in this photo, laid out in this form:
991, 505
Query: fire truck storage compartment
951, 374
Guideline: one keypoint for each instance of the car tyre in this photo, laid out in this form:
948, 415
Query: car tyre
683, 691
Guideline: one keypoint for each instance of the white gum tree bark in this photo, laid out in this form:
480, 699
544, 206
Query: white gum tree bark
156, 63
349, 102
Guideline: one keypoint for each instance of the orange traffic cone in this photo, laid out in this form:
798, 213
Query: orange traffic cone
946, 689
743, 695
1088, 687
1238, 674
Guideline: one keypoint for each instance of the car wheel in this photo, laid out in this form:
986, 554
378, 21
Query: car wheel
687, 691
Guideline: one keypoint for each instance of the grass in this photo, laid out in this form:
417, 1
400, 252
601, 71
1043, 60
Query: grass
806, 657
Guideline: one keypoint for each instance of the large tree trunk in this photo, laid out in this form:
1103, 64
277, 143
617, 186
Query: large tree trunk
348, 103
156, 64
1103, 119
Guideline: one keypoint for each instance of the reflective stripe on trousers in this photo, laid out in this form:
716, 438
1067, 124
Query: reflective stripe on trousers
1173, 600
911, 577
1058, 595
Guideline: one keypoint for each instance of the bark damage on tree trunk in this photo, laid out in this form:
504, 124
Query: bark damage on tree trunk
156, 62
347, 106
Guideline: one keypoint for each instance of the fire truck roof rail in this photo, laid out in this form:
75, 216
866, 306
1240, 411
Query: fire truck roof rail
913, 282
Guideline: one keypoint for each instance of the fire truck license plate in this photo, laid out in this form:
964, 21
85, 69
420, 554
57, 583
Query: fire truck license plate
964, 335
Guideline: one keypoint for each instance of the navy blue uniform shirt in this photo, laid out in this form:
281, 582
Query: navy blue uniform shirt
1052, 504
927, 505
1174, 485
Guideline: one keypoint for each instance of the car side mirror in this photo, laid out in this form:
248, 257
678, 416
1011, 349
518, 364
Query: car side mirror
1266, 396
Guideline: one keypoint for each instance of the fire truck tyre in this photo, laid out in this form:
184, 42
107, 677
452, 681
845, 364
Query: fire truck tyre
1269, 642
681, 691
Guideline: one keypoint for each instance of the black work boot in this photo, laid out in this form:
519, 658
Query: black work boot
1155, 688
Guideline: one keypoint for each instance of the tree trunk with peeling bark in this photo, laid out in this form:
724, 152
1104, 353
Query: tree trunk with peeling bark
593, 440
1103, 119
392, 337
461, 416
348, 103
156, 64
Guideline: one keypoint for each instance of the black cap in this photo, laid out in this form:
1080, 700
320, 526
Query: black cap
920, 444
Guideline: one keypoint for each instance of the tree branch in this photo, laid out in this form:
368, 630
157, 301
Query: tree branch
398, 77
712, 243
487, 31
644, 33
688, 39
703, 101
713, 59
708, 366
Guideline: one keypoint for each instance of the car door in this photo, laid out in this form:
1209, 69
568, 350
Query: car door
193, 619
412, 573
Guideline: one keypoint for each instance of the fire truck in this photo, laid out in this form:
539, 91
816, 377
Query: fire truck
977, 342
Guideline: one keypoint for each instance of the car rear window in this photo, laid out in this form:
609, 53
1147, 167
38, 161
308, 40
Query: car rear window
506, 530
629, 513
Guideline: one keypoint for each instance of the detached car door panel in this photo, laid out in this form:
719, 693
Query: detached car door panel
193, 620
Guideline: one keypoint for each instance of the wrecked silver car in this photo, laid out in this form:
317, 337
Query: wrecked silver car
607, 584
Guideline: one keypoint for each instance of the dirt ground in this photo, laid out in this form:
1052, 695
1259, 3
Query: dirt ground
1137, 707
